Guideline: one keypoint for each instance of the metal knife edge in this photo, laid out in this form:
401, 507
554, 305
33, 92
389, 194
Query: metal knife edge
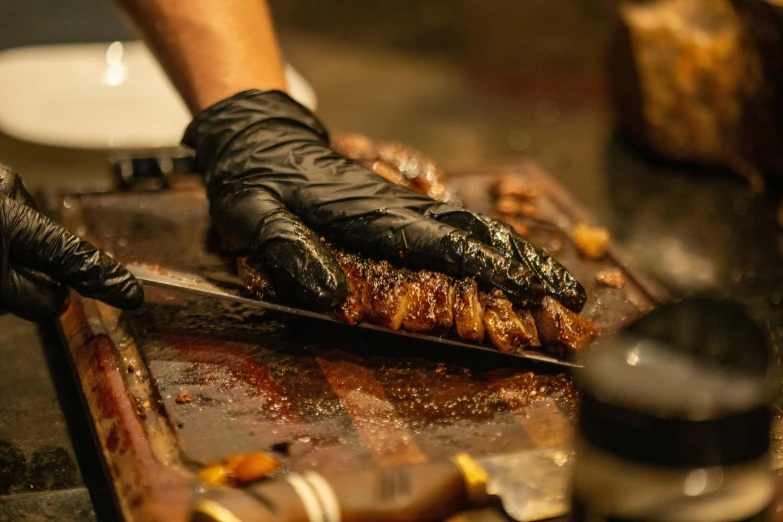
196, 284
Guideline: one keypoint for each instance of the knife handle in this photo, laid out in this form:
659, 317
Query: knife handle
406, 493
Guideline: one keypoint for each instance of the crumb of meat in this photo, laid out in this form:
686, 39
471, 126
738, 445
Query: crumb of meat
183, 397
514, 206
388, 172
591, 242
512, 186
613, 277
238, 470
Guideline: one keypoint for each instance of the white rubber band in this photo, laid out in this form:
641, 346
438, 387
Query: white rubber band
308, 497
215, 511
329, 502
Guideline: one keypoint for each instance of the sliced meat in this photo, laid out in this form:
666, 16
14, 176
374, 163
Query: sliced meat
430, 303
503, 326
352, 310
557, 325
529, 324
387, 296
468, 314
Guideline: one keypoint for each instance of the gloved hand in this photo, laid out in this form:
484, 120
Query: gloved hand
38, 258
275, 186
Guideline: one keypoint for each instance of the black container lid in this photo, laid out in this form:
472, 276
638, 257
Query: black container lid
688, 385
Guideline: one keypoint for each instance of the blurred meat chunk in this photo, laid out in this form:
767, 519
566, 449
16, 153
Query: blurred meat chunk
512, 186
591, 242
613, 278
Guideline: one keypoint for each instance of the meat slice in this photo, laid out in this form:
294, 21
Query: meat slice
468, 315
387, 294
557, 325
505, 330
352, 310
529, 324
430, 303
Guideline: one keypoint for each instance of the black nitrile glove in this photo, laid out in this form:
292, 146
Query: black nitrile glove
275, 186
39, 258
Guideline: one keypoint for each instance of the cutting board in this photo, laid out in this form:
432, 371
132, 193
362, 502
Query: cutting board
333, 397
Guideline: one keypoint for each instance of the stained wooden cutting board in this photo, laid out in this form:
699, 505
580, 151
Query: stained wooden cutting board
337, 397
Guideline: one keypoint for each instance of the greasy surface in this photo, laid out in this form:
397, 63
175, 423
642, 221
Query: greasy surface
468, 315
332, 396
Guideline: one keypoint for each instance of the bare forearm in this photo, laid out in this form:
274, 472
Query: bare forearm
211, 49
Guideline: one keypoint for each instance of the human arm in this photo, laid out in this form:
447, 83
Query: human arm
210, 49
275, 186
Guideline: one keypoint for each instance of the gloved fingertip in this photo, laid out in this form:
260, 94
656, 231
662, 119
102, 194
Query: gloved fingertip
133, 298
306, 270
127, 294
334, 293
573, 298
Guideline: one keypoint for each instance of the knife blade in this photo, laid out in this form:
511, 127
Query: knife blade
531, 485
199, 285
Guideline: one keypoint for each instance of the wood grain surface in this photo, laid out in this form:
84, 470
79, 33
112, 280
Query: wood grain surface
334, 397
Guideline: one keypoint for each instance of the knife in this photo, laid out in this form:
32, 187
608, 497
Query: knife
199, 285
529, 485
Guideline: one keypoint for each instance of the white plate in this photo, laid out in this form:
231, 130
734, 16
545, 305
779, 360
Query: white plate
98, 96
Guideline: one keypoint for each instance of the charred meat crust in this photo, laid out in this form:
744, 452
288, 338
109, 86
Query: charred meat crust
468, 313
557, 325
427, 301
431, 303
504, 327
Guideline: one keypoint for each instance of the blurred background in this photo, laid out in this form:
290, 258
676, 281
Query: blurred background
463, 80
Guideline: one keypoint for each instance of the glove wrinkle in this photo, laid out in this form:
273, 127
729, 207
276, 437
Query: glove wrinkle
35, 242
